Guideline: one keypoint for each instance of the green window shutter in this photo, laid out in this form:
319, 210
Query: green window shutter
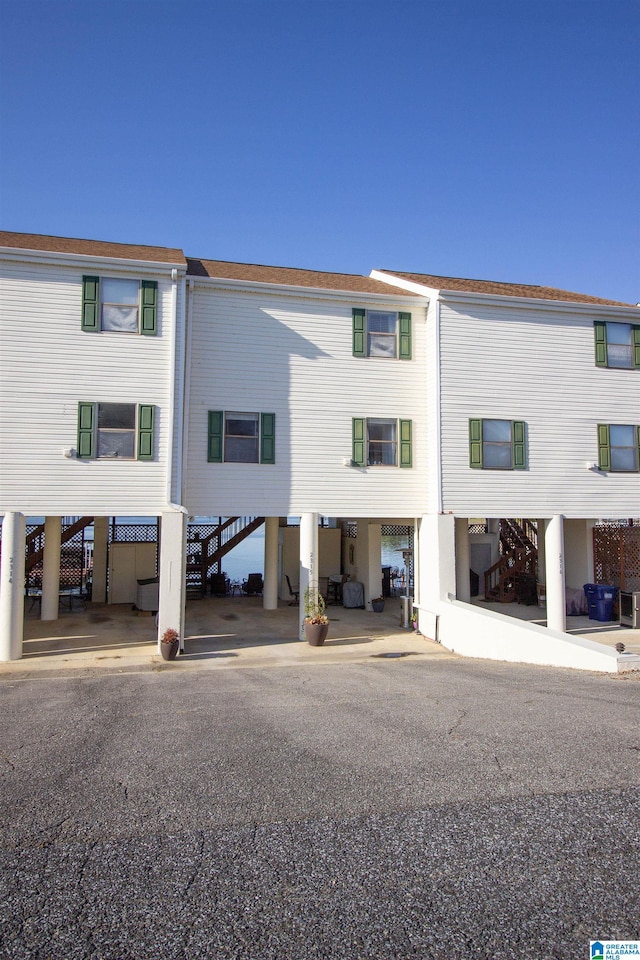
604, 447
267, 438
86, 431
146, 417
358, 427
635, 340
359, 332
475, 443
149, 307
600, 333
519, 445
90, 304
216, 424
404, 336
406, 456
638, 460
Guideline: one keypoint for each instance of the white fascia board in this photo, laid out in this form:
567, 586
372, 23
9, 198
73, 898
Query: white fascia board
291, 290
631, 313
430, 292
83, 259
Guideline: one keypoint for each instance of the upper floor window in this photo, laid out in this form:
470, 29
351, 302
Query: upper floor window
619, 447
381, 442
119, 305
115, 431
617, 344
238, 437
497, 444
381, 333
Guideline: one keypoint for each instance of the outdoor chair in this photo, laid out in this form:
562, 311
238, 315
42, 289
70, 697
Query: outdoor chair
253, 585
334, 588
219, 584
294, 594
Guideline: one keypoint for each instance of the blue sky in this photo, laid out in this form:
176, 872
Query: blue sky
479, 138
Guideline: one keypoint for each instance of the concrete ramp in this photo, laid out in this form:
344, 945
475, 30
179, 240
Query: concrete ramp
470, 631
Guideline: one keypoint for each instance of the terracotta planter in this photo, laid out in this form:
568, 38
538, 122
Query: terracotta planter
316, 633
169, 650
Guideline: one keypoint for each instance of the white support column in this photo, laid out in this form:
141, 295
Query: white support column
308, 560
100, 553
373, 579
270, 592
591, 563
555, 566
463, 560
173, 572
12, 586
542, 554
417, 576
436, 543
51, 568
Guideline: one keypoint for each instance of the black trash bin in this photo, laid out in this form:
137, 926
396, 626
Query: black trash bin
600, 600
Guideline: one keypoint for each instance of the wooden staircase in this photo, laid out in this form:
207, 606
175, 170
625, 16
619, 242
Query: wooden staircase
204, 555
35, 554
510, 579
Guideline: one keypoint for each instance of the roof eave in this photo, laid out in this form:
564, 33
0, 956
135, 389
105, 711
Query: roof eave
51, 256
468, 296
289, 289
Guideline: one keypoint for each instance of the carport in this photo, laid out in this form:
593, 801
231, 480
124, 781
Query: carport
230, 631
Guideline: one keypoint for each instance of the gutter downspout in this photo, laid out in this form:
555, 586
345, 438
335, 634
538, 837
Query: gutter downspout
187, 323
176, 388
172, 595
438, 378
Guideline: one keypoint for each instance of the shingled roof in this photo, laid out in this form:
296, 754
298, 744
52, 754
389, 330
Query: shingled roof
496, 288
291, 276
91, 248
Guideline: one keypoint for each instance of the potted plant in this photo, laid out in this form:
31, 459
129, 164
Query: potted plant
377, 604
316, 622
169, 644
414, 621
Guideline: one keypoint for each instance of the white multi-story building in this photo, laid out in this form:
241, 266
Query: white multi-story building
136, 381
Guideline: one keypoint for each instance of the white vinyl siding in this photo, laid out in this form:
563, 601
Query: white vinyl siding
293, 355
48, 366
534, 365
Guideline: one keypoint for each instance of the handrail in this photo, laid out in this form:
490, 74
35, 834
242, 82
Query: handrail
68, 533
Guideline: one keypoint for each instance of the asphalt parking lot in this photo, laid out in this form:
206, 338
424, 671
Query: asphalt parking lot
395, 808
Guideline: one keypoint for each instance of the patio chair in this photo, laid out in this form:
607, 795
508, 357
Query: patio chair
219, 584
253, 585
294, 594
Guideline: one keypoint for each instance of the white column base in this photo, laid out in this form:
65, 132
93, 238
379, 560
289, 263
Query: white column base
100, 552
12, 567
555, 574
270, 592
51, 568
308, 562
463, 560
173, 572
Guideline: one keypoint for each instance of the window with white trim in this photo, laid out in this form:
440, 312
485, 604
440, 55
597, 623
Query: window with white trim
617, 345
619, 447
381, 333
497, 444
119, 305
240, 437
115, 431
381, 442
